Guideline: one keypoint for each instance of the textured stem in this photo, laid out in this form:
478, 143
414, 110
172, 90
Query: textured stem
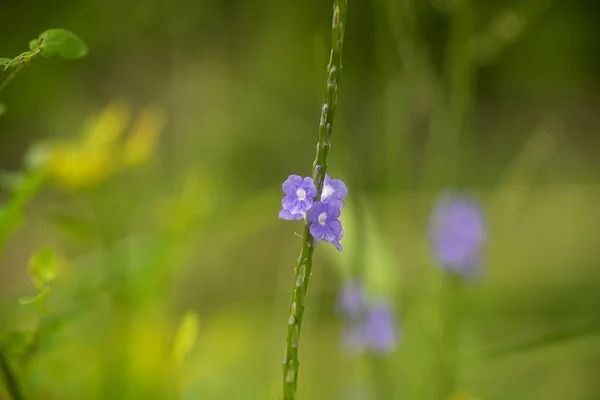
14, 73
12, 387
304, 263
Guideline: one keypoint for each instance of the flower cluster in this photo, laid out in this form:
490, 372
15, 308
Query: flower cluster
458, 233
299, 203
372, 324
110, 142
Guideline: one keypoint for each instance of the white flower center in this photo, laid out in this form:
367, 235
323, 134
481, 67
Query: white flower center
328, 191
301, 193
322, 218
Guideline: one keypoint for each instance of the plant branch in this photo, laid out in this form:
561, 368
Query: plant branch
304, 264
10, 378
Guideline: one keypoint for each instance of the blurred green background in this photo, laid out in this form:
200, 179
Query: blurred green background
498, 98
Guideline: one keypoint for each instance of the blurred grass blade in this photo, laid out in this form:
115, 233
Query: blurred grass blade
590, 328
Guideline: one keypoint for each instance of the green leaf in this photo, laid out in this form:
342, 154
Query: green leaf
63, 42
12, 214
39, 300
33, 44
185, 339
16, 343
4, 61
25, 56
43, 267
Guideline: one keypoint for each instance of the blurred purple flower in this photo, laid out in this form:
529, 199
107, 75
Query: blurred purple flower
351, 299
379, 327
371, 325
298, 199
325, 224
458, 233
334, 191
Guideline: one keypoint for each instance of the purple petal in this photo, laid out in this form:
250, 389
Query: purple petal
317, 231
380, 327
336, 228
458, 233
332, 210
309, 186
291, 184
337, 245
316, 210
341, 191
284, 214
351, 299
328, 234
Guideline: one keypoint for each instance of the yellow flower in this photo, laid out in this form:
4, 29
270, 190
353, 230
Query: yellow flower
103, 131
141, 143
101, 150
75, 167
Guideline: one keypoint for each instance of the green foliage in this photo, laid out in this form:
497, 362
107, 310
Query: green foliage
62, 42
11, 214
43, 267
186, 336
49, 43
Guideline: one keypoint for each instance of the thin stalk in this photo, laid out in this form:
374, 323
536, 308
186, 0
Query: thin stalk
382, 387
461, 71
10, 378
452, 310
303, 266
23, 62
451, 113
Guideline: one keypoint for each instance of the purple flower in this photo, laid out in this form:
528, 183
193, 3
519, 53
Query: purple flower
334, 191
351, 299
298, 199
325, 224
371, 324
379, 327
458, 233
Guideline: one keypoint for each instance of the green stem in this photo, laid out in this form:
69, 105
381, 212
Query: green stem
452, 315
14, 73
381, 382
304, 263
451, 112
460, 82
10, 378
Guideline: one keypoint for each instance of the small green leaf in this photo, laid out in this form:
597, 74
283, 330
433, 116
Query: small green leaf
43, 267
39, 300
63, 42
33, 44
4, 61
21, 58
185, 339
